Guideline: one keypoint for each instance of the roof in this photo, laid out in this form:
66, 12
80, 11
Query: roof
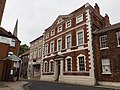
13, 57
3, 32
25, 53
36, 39
108, 28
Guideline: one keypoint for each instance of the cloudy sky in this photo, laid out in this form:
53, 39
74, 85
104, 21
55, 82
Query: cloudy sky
36, 15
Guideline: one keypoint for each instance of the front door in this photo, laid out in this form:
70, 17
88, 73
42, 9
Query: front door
57, 72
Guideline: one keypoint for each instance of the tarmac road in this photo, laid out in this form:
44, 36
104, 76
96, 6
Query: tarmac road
43, 85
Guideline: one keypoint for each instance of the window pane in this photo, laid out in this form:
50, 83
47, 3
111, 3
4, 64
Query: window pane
81, 64
103, 41
69, 64
80, 38
106, 65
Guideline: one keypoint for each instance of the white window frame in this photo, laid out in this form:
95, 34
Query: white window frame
46, 49
77, 37
101, 42
68, 24
51, 46
70, 41
61, 44
66, 68
81, 55
118, 36
58, 28
35, 53
105, 66
45, 68
39, 52
52, 32
50, 66
79, 18
59, 20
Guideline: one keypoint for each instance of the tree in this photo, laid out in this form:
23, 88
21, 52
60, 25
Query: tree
23, 48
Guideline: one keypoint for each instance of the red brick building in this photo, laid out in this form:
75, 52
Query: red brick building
2, 6
8, 43
107, 55
68, 47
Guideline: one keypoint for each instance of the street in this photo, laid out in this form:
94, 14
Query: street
42, 85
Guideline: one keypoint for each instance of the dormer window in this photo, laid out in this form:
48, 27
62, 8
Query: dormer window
59, 29
68, 24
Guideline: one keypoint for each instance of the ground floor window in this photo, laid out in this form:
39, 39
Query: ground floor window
45, 66
69, 64
51, 66
81, 63
106, 66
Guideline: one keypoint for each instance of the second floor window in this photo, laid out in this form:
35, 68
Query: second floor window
59, 44
59, 29
35, 53
118, 38
68, 41
39, 52
52, 47
52, 32
80, 38
68, 24
79, 18
103, 41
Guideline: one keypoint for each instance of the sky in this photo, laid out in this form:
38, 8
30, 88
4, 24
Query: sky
34, 16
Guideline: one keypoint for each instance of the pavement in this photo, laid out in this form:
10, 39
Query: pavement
23, 85
18, 85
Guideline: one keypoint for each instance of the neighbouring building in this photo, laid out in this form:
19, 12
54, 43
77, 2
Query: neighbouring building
2, 6
68, 46
107, 55
35, 61
9, 48
25, 58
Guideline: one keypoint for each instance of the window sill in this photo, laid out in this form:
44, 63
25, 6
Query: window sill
104, 48
106, 73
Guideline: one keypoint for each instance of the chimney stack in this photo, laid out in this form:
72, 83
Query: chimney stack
97, 8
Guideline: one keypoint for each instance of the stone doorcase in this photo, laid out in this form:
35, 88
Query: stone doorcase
58, 69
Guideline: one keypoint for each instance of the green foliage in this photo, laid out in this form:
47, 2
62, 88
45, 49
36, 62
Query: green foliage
23, 48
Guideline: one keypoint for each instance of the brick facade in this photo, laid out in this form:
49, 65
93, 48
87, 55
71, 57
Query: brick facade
5, 47
112, 53
91, 20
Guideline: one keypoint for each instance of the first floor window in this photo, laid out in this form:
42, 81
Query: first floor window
80, 38
51, 66
68, 39
52, 47
81, 63
106, 66
103, 41
118, 38
69, 64
59, 44
46, 49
